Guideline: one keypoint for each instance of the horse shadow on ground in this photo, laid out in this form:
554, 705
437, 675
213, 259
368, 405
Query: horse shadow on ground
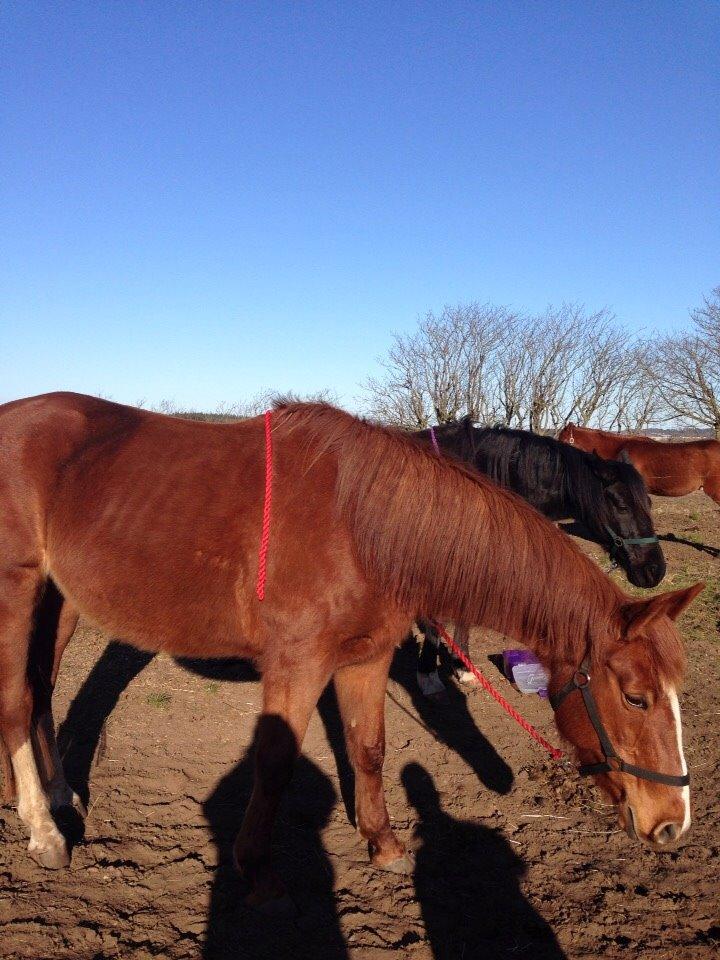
467, 881
233, 929
452, 724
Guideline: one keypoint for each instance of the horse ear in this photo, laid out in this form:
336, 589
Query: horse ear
469, 434
624, 457
603, 469
639, 613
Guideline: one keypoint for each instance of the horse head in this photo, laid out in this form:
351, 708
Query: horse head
620, 711
622, 521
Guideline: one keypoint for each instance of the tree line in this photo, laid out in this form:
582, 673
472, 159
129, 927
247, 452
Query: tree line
539, 372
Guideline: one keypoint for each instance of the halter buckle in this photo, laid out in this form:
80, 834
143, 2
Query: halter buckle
581, 678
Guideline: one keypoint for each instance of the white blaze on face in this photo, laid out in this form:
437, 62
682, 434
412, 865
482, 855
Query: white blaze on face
675, 706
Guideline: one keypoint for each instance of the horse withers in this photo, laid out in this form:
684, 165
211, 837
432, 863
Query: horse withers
669, 469
150, 527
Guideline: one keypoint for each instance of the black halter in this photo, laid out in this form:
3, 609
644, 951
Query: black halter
612, 763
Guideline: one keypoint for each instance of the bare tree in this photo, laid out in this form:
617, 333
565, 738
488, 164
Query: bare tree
442, 371
635, 402
533, 372
688, 368
512, 369
603, 361
559, 343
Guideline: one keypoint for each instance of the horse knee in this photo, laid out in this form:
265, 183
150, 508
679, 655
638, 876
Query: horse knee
368, 758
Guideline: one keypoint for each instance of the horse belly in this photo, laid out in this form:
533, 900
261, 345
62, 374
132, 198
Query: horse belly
670, 474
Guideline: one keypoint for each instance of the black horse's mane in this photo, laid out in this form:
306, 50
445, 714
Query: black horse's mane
544, 470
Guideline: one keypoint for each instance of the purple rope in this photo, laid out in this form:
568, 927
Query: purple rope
436, 448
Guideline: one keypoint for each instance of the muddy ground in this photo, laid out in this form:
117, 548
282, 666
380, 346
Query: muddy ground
516, 857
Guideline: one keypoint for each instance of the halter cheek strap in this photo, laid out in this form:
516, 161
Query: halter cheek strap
613, 763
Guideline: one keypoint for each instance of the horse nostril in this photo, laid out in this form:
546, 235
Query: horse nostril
665, 833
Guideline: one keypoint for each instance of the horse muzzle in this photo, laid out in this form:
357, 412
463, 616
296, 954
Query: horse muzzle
646, 574
660, 835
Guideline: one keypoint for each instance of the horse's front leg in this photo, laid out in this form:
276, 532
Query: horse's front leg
360, 692
462, 639
290, 693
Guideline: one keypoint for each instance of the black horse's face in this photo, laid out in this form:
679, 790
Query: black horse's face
626, 518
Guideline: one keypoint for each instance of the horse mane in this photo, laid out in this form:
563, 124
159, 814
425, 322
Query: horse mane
578, 476
442, 540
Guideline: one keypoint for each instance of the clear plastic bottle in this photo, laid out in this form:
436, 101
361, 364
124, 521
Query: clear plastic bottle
527, 673
531, 678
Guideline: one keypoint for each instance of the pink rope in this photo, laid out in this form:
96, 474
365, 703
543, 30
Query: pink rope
486, 685
436, 448
265, 537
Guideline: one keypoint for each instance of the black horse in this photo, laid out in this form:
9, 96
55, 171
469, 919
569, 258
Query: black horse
608, 498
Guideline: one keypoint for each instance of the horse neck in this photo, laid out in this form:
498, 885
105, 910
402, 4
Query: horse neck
604, 443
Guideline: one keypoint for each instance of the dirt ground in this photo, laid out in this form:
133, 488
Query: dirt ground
516, 856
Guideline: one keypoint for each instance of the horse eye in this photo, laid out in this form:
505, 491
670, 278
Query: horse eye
640, 703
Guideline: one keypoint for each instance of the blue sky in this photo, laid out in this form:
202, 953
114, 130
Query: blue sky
203, 200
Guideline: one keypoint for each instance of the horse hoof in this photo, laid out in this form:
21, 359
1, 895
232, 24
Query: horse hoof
278, 908
432, 687
466, 678
403, 866
52, 858
79, 806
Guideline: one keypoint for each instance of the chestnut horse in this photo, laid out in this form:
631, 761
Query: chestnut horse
150, 526
669, 469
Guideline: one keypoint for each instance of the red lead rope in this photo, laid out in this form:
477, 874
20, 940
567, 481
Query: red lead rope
265, 537
486, 685
450, 643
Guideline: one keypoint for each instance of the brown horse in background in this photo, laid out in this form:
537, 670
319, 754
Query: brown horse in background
669, 469
150, 525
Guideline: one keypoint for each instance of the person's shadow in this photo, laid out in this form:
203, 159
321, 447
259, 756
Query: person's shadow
237, 930
453, 724
467, 881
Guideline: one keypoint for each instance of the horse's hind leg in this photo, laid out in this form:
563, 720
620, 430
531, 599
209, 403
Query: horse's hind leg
20, 590
55, 624
360, 690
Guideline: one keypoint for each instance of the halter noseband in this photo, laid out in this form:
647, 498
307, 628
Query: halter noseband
613, 763
617, 542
